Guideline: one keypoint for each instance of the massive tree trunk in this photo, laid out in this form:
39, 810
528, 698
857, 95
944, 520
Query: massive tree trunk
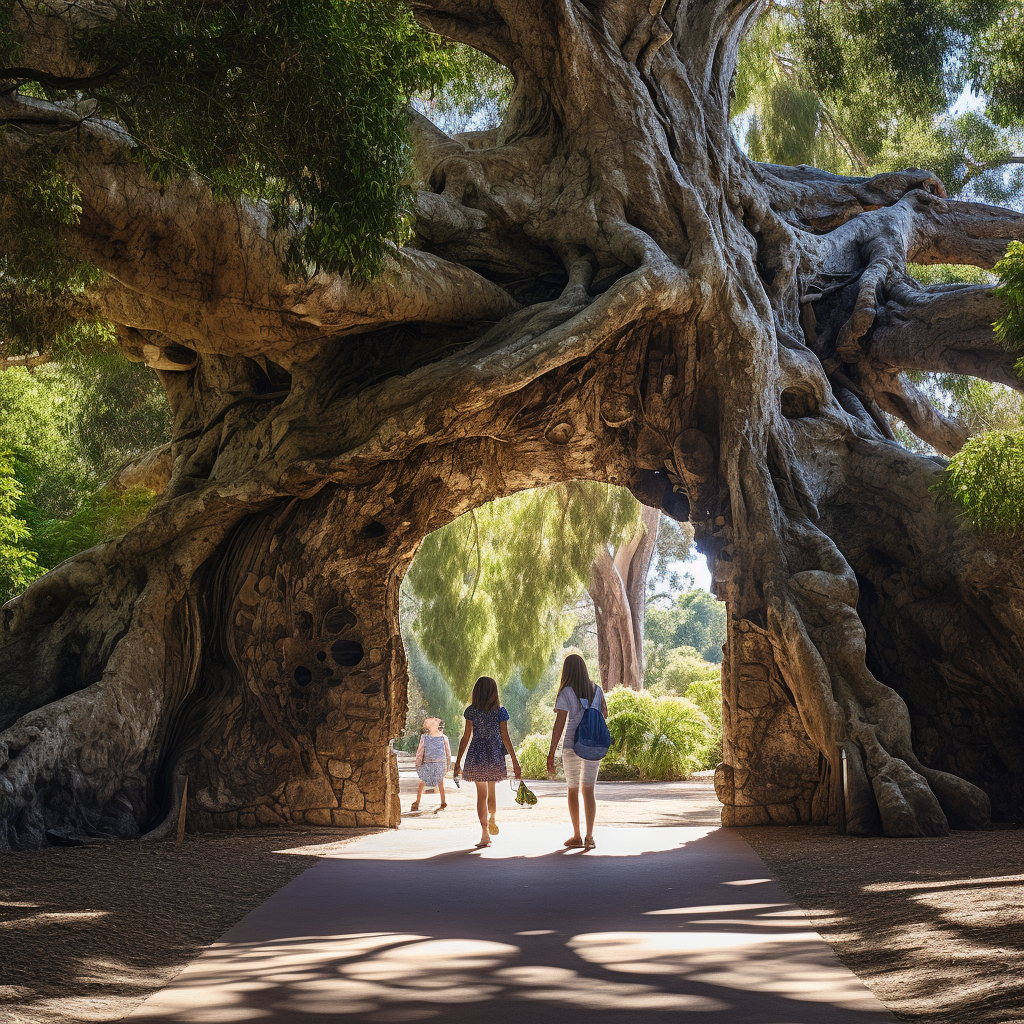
618, 588
606, 288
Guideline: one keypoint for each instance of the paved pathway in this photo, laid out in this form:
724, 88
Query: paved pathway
671, 922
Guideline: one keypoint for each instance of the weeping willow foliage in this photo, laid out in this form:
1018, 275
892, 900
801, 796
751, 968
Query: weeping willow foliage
865, 87
494, 586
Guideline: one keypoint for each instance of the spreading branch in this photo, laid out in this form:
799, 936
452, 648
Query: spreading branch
942, 330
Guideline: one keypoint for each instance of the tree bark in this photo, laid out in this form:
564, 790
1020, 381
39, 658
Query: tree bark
618, 590
604, 288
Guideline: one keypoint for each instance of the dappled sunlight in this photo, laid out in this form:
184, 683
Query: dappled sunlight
784, 965
413, 925
360, 974
514, 842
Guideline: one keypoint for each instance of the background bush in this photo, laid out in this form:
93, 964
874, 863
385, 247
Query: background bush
662, 738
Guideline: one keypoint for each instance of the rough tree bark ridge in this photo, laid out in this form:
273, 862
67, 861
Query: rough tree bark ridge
603, 287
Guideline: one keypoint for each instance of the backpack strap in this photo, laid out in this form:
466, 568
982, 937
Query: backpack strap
595, 701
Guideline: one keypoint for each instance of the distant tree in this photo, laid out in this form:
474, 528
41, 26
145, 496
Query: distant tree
494, 587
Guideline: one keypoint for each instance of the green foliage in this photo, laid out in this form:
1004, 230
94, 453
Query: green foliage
474, 94
985, 481
695, 621
1010, 329
18, 566
40, 276
66, 427
865, 87
533, 756
662, 738
996, 64
683, 667
493, 586
299, 103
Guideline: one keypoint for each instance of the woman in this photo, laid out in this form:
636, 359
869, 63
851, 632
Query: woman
485, 763
575, 689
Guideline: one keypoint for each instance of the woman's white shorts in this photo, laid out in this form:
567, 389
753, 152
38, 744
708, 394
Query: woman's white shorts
576, 767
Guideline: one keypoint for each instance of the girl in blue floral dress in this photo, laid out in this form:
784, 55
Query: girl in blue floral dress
486, 735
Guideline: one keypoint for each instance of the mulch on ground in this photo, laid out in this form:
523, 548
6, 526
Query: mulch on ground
935, 927
87, 933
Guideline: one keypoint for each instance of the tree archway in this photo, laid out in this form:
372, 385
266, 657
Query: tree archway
605, 288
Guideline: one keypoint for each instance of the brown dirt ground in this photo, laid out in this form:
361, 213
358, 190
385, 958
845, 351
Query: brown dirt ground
934, 926
87, 933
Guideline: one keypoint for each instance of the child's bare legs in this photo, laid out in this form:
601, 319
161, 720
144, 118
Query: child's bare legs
492, 808
440, 790
589, 809
574, 810
419, 796
482, 799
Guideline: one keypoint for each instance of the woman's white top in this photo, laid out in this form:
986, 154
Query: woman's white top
568, 701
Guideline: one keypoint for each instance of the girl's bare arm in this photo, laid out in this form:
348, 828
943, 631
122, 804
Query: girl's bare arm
463, 743
511, 750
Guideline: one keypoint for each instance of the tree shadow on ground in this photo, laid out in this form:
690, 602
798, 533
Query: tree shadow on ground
935, 926
87, 933
659, 922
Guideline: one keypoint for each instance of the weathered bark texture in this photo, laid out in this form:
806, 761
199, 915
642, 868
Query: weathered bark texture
618, 590
604, 287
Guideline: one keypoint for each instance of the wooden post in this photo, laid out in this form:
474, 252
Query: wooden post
181, 814
843, 783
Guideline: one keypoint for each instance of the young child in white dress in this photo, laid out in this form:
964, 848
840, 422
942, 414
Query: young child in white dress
432, 759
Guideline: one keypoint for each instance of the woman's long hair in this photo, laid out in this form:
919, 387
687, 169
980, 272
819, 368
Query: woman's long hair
576, 676
485, 695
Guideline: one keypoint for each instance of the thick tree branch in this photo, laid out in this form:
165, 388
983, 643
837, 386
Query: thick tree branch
942, 330
822, 201
899, 397
210, 274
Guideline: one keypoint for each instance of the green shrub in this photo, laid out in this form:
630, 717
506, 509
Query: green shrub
663, 738
685, 666
533, 757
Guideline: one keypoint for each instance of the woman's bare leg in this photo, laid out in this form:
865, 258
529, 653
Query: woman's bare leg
574, 811
492, 807
589, 809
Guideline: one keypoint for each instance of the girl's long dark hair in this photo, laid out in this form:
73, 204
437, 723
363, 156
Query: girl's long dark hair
485, 695
576, 676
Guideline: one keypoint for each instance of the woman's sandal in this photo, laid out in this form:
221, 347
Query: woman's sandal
573, 843
414, 807
589, 844
492, 826
442, 807
482, 845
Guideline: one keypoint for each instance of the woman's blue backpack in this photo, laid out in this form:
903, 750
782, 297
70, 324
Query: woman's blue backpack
592, 738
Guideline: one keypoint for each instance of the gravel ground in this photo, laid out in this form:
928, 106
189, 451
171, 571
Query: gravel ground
934, 926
